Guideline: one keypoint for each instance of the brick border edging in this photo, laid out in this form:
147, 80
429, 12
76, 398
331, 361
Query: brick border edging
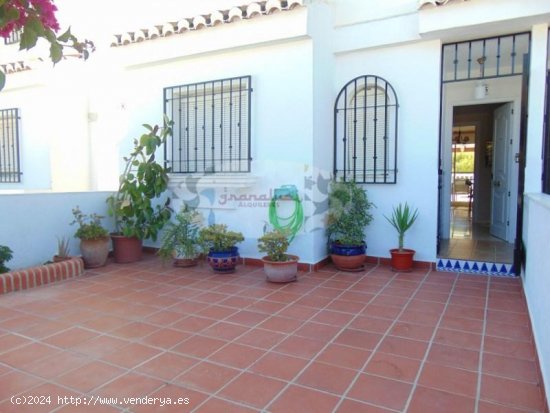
40, 275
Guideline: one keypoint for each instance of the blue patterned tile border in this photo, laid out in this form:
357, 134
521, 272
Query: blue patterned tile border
475, 267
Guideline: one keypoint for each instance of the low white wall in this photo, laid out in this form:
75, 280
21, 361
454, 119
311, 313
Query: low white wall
30, 223
535, 277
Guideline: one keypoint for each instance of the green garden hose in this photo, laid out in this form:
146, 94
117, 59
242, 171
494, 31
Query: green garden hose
292, 223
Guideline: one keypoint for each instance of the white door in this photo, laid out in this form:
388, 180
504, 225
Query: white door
500, 189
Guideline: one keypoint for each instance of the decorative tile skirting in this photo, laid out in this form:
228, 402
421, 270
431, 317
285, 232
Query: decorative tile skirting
475, 267
41, 275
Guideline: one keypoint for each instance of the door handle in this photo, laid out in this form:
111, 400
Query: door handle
496, 184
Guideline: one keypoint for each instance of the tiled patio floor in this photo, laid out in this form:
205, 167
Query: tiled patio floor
331, 342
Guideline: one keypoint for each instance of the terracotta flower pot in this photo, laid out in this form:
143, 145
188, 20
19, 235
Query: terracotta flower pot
185, 262
402, 261
281, 271
126, 249
94, 252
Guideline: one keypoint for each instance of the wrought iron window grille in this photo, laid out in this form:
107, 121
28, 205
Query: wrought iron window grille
13, 38
365, 131
211, 132
10, 168
486, 58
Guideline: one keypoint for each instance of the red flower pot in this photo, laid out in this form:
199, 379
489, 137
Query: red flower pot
402, 260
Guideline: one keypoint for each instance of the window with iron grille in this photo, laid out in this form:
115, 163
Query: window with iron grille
10, 171
13, 38
365, 131
211, 132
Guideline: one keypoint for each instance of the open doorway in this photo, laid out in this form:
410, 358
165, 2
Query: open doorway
481, 178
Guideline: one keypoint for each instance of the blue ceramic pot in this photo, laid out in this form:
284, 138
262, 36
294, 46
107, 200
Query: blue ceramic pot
347, 250
223, 261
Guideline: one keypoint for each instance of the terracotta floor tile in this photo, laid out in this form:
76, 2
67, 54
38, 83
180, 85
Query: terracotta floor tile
419, 317
477, 313
70, 338
426, 306
193, 324
300, 346
46, 395
511, 348
380, 391
393, 367
89, 376
164, 318
10, 341
237, 355
511, 393
390, 300
403, 347
507, 317
130, 385
134, 330
215, 405
509, 331
280, 324
252, 389
217, 312
412, 331
326, 377
99, 346
167, 366
463, 324
45, 329
458, 339
207, 377
344, 356
358, 338
30, 353
280, 366
225, 331
332, 317
105, 323
450, 379
15, 382
56, 365
131, 355
454, 357
488, 407
199, 346
247, 318
165, 338
352, 406
432, 400
381, 311
317, 331
261, 338
372, 324
345, 306
297, 399
510, 367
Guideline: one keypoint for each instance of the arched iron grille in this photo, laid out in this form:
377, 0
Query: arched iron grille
365, 131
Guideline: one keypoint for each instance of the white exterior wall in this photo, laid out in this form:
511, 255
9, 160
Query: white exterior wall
535, 277
417, 90
31, 222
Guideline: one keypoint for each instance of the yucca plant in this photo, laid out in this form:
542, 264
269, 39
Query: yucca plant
402, 219
63, 250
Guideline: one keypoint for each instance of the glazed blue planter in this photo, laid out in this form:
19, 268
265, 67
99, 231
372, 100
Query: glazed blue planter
223, 261
347, 250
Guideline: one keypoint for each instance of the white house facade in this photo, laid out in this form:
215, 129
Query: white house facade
278, 97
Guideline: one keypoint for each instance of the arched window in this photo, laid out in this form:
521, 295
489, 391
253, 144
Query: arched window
365, 131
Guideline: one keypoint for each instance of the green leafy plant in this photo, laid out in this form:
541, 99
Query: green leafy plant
142, 181
181, 237
217, 237
6, 254
274, 244
349, 213
89, 226
402, 219
63, 250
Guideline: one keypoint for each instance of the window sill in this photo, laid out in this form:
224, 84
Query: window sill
241, 180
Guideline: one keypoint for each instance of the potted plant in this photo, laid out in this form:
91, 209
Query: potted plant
62, 250
402, 219
143, 180
6, 254
180, 239
278, 265
223, 255
349, 214
94, 239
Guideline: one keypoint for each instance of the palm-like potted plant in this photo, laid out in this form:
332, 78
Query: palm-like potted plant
180, 239
403, 217
94, 238
137, 216
278, 265
63, 250
223, 254
349, 214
